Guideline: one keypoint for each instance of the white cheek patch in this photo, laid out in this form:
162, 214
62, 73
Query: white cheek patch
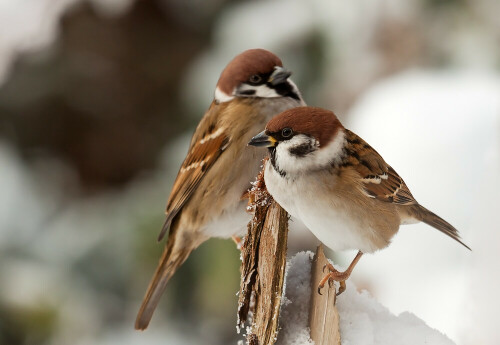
221, 97
317, 159
259, 91
333, 152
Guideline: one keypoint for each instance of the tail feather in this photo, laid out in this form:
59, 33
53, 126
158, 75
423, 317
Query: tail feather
171, 259
432, 219
166, 225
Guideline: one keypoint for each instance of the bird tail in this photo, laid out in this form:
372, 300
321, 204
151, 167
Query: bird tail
172, 258
432, 219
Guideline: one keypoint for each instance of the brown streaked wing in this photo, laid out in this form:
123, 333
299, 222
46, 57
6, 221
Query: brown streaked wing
202, 154
380, 180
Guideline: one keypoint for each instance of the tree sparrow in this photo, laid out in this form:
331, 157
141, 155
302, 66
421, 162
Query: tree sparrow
206, 198
338, 185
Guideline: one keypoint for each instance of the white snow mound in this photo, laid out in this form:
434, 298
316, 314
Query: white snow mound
362, 319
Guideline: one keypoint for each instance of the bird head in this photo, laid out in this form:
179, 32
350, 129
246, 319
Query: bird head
255, 73
302, 139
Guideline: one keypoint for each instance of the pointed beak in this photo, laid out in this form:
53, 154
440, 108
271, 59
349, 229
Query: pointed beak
263, 140
279, 76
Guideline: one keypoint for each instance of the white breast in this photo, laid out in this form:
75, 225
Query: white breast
323, 214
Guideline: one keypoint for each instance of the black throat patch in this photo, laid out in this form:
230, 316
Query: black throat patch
272, 155
285, 89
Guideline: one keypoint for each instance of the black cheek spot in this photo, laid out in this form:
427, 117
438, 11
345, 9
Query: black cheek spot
247, 92
302, 150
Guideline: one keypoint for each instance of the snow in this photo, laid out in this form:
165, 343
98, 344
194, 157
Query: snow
295, 303
363, 320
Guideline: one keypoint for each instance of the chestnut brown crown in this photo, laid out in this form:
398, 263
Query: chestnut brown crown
319, 123
245, 65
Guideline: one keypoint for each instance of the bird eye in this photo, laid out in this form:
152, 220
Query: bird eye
286, 132
255, 79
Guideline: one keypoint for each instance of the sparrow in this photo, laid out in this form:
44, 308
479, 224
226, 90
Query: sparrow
338, 185
206, 198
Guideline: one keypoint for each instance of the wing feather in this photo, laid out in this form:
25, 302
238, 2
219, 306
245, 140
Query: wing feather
206, 147
379, 179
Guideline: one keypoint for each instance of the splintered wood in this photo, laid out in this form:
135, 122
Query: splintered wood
323, 314
263, 267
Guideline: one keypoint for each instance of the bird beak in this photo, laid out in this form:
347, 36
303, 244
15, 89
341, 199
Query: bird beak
279, 76
263, 140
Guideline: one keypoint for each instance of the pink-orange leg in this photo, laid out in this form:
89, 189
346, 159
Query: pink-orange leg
238, 241
337, 276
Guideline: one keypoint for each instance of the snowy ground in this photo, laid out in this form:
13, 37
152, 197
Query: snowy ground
363, 320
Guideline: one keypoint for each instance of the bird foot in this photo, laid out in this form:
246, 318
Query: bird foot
334, 276
238, 241
337, 276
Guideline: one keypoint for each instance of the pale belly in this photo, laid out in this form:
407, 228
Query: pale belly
228, 209
232, 222
325, 218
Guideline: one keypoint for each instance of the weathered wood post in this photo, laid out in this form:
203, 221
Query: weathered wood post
323, 313
263, 267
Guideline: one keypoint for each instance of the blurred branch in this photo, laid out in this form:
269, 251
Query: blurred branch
263, 267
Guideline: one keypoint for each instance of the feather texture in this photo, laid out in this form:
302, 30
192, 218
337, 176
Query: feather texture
172, 258
203, 153
380, 180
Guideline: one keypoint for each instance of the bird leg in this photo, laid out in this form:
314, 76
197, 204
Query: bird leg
337, 276
238, 241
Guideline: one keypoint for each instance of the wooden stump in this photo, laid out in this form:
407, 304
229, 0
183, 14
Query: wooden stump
263, 267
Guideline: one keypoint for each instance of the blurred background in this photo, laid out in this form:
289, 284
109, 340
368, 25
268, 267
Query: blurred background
99, 98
